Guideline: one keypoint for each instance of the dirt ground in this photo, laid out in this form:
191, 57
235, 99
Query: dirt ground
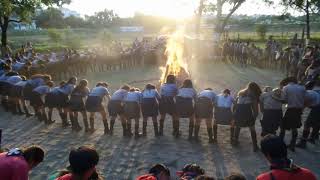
126, 158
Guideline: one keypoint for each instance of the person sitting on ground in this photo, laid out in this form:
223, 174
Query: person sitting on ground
157, 172
275, 151
190, 171
235, 176
16, 163
83, 162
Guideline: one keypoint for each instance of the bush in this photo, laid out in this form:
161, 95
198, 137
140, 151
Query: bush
71, 40
261, 30
54, 35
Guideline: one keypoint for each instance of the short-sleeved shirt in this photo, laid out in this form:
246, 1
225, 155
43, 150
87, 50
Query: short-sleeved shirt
13, 167
294, 95
21, 83
119, 95
224, 101
133, 97
17, 66
169, 90
37, 82
82, 93
187, 93
14, 79
302, 174
312, 98
269, 102
208, 94
42, 90
150, 93
66, 89
99, 91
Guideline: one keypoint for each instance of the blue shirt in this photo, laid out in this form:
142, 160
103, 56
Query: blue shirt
66, 89
119, 95
151, 93
133, 97
82, 93
21, 83
4, 78
187, 93
99, 91
208, 94
224, 101
17, 66
294, 95
169, 90
37, 82
42, 90
14, 79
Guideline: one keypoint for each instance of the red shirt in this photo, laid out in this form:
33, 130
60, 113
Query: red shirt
13, 167
302, 174
146, 177
65, 177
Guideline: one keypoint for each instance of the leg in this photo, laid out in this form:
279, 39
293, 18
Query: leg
112, 121
129, 130
155, 126
162, 118
124, 125
177, 124
25, 108
136, 127
293, 139
236, 136
144, 127
254, 138
105, 121
282, 133
232, 127
92, 122
197, 129
213, 130
303, 141
191, 127
85, 121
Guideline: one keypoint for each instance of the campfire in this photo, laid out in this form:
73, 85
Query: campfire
176, 62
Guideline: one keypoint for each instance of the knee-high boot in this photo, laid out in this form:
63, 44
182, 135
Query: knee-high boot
292, 144
106, 127
161, 127
112, 121
92, 125
129, 130
177, 131
196, 132
155, 128
314, 135
64, 119
144, 128
254, 140
236, 136
26, 110
303, 141
86, 125
191, 126
215, 133
124, 127
231, 134
136, 128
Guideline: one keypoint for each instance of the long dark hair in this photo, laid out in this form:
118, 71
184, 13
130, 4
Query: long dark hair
252, 88
187, 83
81, 86
171, 79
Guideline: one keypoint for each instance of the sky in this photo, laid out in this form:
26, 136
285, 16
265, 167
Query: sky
167, 8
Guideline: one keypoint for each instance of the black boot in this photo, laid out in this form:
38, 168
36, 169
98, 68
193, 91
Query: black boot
86, 125
77, 126
161, 127
177, 131
191, 126
129, 130
231, 134
314, 135
254, 140
39, 116
155, 128
235, 141
144, 128
303, 141
106, 127
209, 130
5, 104
26, 110
64, 120
136, 129
124, 128
19, 109
196, 132
292, 144
112, 121
215, 133
92, 125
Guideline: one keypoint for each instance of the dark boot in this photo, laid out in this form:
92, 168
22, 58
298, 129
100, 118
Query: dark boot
174, 127
144, 128
215, 133
235, 141
39, 116
303, 141
76, 124
106, 127
112, 121
231, 134
26, 110
136, 129
92, 125
196, 132
5, 104
161, 127
209, 130
129, 130
19, 109
124, 128
86, 125
254, 140
64, 120
177, 131
155, 128
191, 127
292, 144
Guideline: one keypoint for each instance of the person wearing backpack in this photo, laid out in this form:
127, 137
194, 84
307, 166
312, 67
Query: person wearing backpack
281, 167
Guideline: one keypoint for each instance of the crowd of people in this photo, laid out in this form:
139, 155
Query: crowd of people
83, 161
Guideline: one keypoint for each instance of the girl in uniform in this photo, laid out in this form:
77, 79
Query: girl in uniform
115, 107
17, 96
11, 81
36, 101
76, 104
185, 105
204, 110
132, 110
167, 105
51, 101
246, 111
150, 108
223, 112
94, 104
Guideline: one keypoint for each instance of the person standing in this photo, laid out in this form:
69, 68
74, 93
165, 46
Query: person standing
131, 110
293, 95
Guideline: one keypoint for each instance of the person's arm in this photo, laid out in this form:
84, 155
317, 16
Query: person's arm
255, 108
20, 173
261, 104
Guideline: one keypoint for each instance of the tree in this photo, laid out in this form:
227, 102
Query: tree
54, 35
103, 19
307, 7
261, 30
20, 11
50, 18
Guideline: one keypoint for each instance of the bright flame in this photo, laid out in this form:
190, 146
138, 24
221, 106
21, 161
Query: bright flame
176, 63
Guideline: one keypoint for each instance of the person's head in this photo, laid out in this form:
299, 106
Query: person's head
160, 171
125, 87
50, 84
7, 68
83, 83
171, 79
190, 171
62, 83
235, 176
204, 177
226, 92
72, 80
187, 83
34, 155
47, 77
24, 78
253, 88
267, 89
273, 147
149, 87
132, 89
83, 161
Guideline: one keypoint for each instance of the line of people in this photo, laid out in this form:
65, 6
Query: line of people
16, 164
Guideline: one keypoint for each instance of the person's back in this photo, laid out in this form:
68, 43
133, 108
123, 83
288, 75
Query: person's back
279, 174
13, 167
